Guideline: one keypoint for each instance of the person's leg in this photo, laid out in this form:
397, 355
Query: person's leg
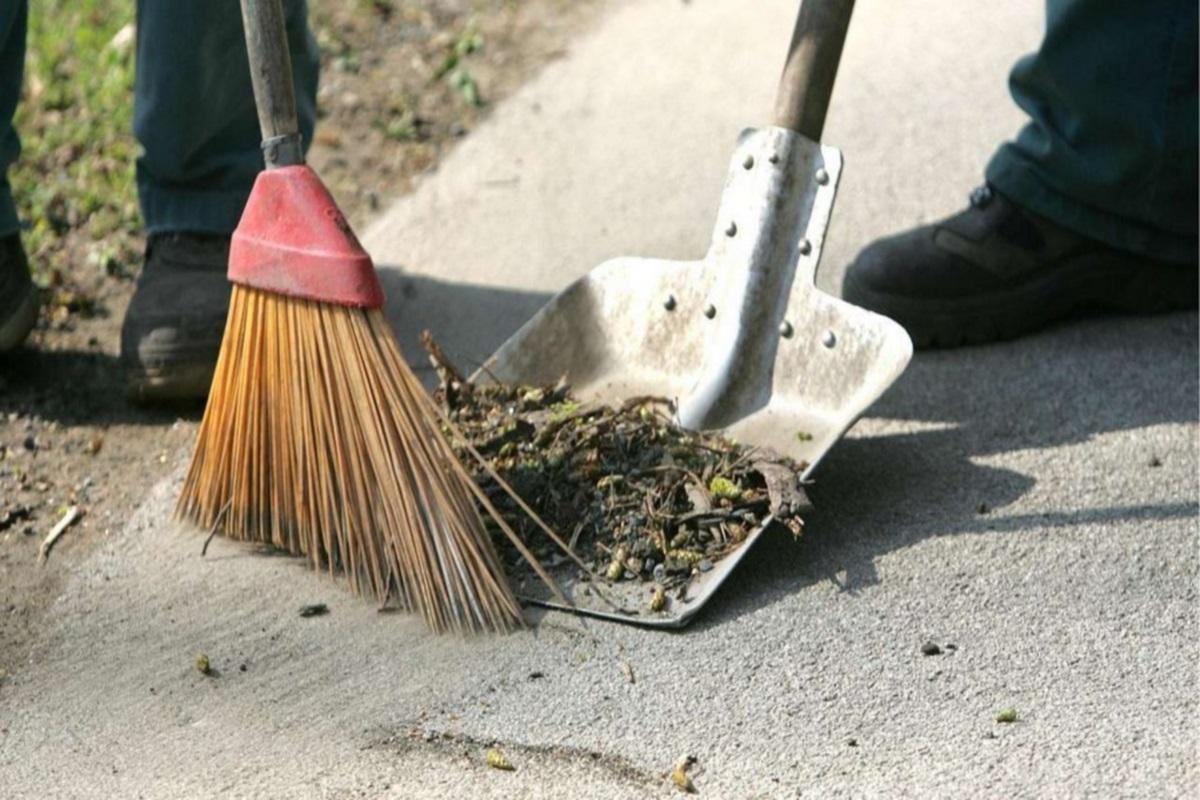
1092, 208
18, 298
13, 17
194, 115
194, 111
1110, 148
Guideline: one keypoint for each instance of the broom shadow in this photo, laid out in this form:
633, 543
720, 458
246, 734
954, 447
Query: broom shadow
469, 321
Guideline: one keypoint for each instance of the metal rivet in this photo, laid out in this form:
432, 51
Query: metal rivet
822, 176
829, 339
773, 158
731, 230
669, 303
710, 311
805, 247
785, 329
749, 162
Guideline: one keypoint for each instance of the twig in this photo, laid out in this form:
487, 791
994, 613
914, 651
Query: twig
485, 369
216, 524
546, 434
644, 400
532, 515
68, 519
439, 360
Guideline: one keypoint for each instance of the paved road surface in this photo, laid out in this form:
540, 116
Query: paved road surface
1072, 598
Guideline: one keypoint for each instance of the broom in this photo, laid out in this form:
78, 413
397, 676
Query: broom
317, 437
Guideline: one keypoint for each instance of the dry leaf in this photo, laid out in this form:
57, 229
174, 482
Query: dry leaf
679, 775
496, 760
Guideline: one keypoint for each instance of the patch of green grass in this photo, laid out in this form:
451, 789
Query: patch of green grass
75, 177
454, 68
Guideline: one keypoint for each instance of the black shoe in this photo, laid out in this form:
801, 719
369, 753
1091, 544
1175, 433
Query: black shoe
172, 331
18, 295
996, 271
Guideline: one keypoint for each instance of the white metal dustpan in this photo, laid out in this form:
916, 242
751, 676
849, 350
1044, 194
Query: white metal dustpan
743, 339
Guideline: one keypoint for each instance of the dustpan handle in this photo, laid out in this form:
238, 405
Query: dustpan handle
271, 74
812, 63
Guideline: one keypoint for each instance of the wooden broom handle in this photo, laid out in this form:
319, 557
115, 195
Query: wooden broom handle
812, 63
271, 74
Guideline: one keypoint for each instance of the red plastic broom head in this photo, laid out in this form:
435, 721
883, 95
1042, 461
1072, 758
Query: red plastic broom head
293, 240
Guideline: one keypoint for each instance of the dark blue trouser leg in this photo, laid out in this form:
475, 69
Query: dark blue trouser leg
13, 16
194, 110
1110, 148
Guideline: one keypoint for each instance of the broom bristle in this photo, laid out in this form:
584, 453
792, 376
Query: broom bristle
319, 439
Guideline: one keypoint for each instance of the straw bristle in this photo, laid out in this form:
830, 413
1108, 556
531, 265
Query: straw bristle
320, 440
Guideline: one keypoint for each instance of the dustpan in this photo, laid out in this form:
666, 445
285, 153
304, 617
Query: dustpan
742, 339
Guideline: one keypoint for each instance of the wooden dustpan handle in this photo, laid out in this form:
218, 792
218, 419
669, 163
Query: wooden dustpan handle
271, 73
812, 63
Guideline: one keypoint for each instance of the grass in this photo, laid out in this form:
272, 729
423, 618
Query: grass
74, 182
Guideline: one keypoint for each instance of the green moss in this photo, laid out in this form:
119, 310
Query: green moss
724, 489
560, 411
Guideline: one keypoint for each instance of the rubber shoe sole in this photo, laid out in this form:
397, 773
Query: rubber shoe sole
176, 384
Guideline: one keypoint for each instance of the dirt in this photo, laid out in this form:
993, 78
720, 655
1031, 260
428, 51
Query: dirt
632, 500
388, 114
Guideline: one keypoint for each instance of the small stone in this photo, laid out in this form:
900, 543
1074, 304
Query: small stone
852, 742
930, 649
983, 508
705, 565
1155, 461
1007, 715
536, 675
457, 129
660, 572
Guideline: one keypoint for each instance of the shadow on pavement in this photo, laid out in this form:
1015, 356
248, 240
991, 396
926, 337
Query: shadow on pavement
876, 494
873, 494
73, 387
469, 321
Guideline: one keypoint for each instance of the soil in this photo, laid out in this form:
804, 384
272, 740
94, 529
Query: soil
403, 81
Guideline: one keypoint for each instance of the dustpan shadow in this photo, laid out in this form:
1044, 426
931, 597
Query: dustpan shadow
877, 494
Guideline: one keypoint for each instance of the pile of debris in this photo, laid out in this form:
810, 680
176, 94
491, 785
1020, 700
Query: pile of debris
636, 497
